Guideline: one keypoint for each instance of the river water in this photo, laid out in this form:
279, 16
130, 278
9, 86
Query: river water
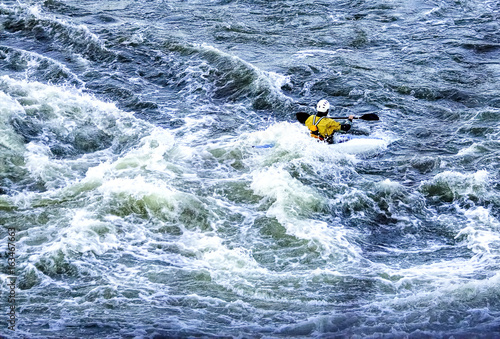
142, 210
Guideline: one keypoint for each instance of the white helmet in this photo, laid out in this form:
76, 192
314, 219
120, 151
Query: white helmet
323, 106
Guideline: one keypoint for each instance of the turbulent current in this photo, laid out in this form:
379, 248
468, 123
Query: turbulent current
133, 203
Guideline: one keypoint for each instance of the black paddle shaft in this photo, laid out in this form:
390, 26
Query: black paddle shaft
369, 116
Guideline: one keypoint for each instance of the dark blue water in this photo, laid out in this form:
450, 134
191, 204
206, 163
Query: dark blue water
141, 208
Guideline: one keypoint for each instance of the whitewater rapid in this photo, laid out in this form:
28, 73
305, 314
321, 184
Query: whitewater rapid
142, 208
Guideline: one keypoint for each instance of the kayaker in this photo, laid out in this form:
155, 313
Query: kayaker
323, 128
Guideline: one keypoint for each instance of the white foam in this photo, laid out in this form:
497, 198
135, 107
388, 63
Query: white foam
43, 16
268, 79
9, 139
461, 184
481, 232
293, 205
314, 52
389, 186
34, 60
63, 111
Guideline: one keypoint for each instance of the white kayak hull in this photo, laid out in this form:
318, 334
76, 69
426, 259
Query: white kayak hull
358, 143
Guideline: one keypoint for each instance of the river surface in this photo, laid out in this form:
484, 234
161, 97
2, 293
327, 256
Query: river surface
141, 208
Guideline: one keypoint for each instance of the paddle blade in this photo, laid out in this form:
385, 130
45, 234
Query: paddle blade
369, 116
302, 117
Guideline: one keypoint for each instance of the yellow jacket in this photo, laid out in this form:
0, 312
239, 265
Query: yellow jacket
325, 127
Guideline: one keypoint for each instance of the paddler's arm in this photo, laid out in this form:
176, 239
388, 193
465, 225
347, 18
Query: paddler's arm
347, 126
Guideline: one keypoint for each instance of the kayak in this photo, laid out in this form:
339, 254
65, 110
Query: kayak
341, 138
351, 143
345, 141
357, 144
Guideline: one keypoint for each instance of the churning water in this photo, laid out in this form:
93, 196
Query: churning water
141, 208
